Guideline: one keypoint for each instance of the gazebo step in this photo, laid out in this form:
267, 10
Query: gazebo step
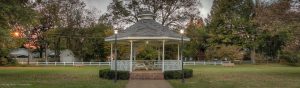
146, 75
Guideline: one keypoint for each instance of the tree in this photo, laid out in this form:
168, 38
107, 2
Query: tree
230, 23
15, 15
169, 13
72, 25
198, 44
279, 24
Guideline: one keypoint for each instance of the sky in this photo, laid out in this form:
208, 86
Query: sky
101, 6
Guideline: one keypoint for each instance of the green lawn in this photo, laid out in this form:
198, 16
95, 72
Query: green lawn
242, 76
54, 77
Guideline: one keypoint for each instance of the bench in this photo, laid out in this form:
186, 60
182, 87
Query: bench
140, 66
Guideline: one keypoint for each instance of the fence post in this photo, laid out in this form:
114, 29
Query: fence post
73, 63
64, 63
99, 64
204, 62
90, 63
215, 63
194, 63
37, 63
55, 63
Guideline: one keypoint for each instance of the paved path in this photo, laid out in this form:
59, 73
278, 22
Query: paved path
148, 84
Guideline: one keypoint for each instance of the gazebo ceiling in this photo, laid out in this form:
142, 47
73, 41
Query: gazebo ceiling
147, 29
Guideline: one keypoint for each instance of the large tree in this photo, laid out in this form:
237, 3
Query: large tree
172, 13
278, 23
72, 26
230, 23
198, 44
15, 15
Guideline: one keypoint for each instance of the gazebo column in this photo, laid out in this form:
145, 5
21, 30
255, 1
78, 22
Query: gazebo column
178, 54
163, 57
131, 54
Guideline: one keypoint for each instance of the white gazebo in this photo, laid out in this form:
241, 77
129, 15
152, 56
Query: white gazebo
147, 30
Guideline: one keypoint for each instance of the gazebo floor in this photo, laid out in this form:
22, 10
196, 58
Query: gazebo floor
147, 75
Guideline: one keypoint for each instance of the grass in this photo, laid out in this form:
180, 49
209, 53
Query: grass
242, 76
55, 77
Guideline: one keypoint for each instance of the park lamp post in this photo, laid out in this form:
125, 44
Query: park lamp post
181, 54
115, 46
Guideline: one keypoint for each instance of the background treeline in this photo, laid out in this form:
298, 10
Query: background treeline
257, 30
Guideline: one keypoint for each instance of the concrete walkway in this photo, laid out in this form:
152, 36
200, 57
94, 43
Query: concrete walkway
148, 84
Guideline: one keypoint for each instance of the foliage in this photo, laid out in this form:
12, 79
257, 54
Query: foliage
110, 74
231, 52
74, 25
291, 58
277, 25
230, 22
168, 12
198, 44
14, 14
188, 73
148, 53
271, 45
8, 61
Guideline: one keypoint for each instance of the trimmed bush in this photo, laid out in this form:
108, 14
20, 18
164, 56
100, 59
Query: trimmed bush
188, 73
8, 62
110, 74
292, 58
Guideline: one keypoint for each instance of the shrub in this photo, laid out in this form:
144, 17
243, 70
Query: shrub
188, 73
291, 58
110, 74
8, 62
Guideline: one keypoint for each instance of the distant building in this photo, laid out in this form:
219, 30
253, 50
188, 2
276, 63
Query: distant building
67, 56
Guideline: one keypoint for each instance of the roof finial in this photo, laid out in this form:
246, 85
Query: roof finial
146, 14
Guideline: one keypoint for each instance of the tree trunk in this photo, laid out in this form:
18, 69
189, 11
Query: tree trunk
253, 56
57, 49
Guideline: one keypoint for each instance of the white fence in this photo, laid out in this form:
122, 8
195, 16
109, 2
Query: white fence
108, 63
203, 63
67, 63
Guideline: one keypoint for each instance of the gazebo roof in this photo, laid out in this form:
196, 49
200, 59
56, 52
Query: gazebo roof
147, 29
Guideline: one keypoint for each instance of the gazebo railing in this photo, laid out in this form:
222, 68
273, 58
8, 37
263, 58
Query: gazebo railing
169, 65
122, 65
148, 64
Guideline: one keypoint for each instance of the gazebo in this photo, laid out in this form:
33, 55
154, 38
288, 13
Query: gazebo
144, 31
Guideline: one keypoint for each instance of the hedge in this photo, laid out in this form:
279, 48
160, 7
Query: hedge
110, 74
188, 73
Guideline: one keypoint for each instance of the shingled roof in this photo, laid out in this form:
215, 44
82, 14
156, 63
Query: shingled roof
147, 29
